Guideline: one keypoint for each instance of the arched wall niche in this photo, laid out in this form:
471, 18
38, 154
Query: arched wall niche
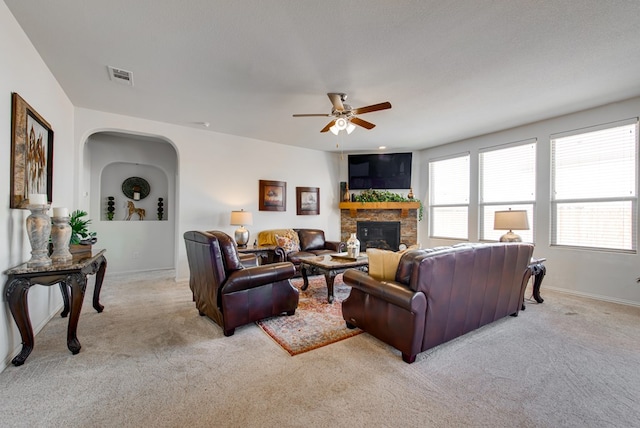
133, 245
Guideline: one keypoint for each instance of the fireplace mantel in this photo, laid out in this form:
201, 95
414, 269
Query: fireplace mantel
353, 207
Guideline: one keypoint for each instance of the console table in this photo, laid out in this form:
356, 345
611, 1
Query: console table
68, 275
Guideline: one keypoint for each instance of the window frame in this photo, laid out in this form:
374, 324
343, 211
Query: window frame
555, 202
435, 206
517, 204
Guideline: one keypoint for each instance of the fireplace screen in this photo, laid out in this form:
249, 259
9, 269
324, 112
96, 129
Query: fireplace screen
379, 234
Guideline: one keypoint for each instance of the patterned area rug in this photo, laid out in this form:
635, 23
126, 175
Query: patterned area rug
316, 323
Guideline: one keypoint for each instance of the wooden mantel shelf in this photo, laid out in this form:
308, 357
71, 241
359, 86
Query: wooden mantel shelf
353, 207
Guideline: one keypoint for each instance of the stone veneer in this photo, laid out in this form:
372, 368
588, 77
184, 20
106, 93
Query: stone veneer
408, 224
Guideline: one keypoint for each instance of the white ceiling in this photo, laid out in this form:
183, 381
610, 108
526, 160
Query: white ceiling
451, 69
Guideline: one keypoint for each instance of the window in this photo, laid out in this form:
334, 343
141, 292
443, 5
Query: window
507, 180
449, 198
594, 187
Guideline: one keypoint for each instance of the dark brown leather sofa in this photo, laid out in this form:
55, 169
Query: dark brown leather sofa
230, 293
439, 295
312, 243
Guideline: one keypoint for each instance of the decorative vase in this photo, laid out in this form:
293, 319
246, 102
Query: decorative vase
160, 209
110, 208
346, 196
353, 246
39, 230
60, 238
410, 195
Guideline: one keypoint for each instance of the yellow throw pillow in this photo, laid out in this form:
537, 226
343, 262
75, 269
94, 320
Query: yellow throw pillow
383, 264
268, 237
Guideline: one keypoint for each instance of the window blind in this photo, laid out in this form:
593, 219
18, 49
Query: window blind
594, 188
449, 197
507, 180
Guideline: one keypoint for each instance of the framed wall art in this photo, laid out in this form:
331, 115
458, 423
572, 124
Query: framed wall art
273, 195
308, 200
31, 154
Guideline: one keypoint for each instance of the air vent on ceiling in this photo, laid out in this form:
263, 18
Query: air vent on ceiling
121, 76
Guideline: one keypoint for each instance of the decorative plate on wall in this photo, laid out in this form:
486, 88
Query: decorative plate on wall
133, 185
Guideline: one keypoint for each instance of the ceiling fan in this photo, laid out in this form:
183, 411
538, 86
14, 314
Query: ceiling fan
345, 115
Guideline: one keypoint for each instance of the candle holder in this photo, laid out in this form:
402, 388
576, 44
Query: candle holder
39, 230
60, 237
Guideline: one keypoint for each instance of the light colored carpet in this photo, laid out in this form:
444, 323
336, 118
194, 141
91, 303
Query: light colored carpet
150, 360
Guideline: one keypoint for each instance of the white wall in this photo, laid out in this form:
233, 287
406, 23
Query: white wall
601, 274
23, 71
218, 173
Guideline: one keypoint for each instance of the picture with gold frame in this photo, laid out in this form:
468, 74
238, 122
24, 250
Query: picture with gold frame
31, 154
308, 200
273, 195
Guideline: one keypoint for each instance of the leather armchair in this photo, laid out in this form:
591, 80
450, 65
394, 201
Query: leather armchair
312, 243
230, 293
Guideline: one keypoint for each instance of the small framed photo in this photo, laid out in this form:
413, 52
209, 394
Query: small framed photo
308, 200
273, 196
31, 154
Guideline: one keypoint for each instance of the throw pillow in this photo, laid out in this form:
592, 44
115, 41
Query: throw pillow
287, 244
383, 263
268, 237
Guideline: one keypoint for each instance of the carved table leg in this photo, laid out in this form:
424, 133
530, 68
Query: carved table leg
330, 277
64, 289
98, 285
539, 271
78, 284
305, 278
17, 290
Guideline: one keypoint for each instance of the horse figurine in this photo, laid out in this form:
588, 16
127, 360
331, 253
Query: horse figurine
133, 209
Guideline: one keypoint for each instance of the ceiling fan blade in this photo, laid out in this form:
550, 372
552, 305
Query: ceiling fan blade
329, 125
363, 123
374, 107
336, 100
312, 114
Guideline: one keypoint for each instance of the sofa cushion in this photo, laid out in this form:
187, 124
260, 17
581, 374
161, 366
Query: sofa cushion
311, 239
287, 244
268, 237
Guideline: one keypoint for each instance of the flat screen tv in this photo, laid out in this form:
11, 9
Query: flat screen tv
380, 171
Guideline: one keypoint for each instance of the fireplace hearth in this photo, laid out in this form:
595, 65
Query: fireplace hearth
379, 234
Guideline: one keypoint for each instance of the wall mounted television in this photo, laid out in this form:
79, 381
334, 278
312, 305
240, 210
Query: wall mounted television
380, 171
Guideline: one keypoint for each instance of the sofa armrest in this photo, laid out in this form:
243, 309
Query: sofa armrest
389, 291
338, 247
258, 276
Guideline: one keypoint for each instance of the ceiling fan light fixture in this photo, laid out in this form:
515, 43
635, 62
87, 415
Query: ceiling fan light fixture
334, 130
341, 124
350, 127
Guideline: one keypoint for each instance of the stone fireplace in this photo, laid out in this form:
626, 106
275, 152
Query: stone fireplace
404, 214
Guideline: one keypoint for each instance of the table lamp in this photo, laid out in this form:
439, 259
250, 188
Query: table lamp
510, 220
241, 218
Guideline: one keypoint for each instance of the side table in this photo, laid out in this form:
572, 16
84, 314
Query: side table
266, 253
71, 275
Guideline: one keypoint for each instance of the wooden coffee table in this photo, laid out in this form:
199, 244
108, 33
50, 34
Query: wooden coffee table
330, 265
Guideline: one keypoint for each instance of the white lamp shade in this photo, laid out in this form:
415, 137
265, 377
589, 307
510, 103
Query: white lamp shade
241, 218
341, 123
511, 220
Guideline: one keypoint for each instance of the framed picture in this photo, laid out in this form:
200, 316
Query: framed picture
273, 196
308, 200
31, 154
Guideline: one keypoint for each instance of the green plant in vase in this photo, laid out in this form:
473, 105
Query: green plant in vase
79, 229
